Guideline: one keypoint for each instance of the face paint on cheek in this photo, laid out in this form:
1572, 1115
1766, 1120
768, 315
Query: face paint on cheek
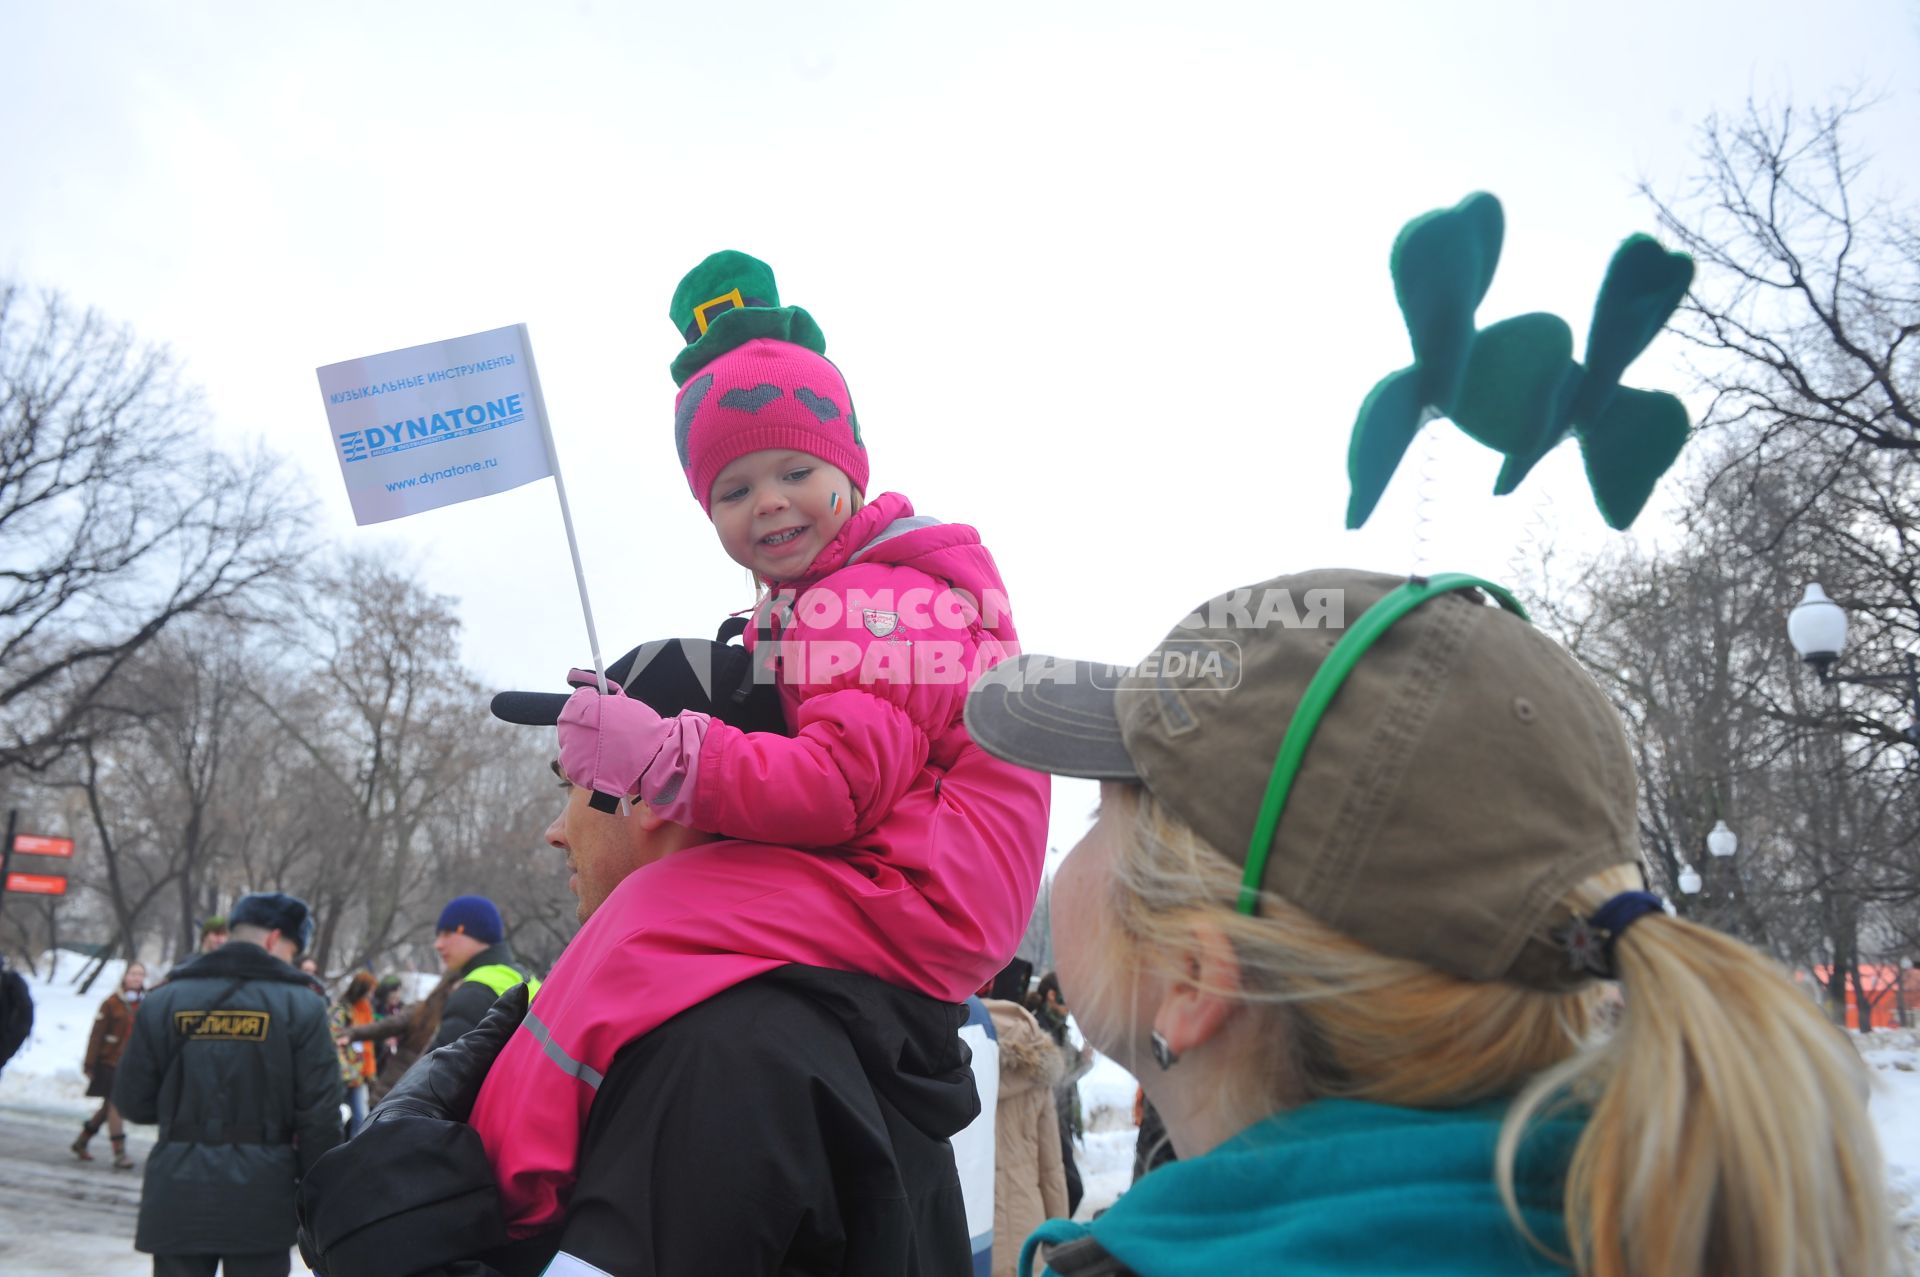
833, 502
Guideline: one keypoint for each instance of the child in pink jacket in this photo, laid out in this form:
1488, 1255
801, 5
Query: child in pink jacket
876, 837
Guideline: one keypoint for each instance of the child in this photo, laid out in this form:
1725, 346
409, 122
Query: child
926, 853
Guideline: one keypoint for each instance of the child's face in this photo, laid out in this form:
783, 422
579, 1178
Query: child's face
776, 509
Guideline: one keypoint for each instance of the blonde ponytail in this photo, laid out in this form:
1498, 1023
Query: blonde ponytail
1728, 1130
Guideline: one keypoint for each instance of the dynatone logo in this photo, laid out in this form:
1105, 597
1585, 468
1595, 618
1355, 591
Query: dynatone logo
880, 624
222, 1026
432, 428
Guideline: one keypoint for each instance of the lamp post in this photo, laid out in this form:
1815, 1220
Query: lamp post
1900, 992
1817, 627
1721, 843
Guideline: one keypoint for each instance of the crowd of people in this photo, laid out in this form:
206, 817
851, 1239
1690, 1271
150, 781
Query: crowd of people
1348, 910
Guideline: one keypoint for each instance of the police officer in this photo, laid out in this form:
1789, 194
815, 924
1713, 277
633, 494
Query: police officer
471, 941
234, 1059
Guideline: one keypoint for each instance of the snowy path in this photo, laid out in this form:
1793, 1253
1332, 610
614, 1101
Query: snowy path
60, 1216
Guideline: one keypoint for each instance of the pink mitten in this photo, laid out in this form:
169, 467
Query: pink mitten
669, 781
607, 741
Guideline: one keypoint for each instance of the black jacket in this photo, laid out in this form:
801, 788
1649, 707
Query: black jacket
795, 1124
16, 1012
233, 1058
470, 1000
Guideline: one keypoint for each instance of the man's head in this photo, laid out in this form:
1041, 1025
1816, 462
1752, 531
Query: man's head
1048, 991
213, 933
671, 676
467, 926
602, 848
277, 922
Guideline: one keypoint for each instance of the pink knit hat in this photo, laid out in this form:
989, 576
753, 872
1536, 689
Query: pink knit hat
754, 375
765, 394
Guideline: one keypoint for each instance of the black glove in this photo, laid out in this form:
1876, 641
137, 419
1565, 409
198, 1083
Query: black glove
446, 1082
413, 1192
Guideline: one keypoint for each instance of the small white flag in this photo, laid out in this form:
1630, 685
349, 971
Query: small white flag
438, 424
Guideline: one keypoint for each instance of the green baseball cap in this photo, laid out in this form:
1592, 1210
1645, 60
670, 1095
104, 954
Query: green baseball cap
1463, 776
728, 300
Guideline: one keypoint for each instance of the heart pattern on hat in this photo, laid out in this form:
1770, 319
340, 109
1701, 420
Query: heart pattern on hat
755, 399
819, 405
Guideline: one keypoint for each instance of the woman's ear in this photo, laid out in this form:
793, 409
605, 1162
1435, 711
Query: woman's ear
1202, 992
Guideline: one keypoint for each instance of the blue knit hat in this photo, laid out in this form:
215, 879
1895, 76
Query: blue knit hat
474, 916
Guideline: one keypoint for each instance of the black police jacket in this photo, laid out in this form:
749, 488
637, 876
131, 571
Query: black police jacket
797, 1123
233, 1057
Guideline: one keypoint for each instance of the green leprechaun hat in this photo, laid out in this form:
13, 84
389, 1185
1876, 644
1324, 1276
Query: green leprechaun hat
728, 300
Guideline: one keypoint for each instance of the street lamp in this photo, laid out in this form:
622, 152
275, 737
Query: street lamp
1689, 880
1817, 627
1722, 841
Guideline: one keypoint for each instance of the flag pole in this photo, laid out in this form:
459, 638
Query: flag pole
566, 513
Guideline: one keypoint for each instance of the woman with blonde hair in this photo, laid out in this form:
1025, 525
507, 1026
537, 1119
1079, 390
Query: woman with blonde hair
1353, 894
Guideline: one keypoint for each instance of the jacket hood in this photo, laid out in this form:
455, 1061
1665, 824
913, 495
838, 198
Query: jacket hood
1307, 1192
908, 1044
238, 960
1028, 1056
887, 531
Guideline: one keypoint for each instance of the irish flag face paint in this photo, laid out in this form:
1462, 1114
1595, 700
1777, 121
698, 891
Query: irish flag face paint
833, 502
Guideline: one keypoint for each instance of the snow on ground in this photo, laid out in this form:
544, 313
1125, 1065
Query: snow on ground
1895, 1057
45, 1078
1105, 1155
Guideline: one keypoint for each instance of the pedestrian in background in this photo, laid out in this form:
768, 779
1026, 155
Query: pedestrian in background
410, 1031
1029, 1179
112, 1026
357, 1069
1050, 1012
16, 1011
234, 1061
471, 940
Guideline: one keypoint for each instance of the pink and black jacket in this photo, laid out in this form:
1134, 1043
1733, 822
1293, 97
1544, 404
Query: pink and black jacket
929, 851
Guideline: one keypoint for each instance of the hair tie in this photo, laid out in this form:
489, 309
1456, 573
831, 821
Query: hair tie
1589, 941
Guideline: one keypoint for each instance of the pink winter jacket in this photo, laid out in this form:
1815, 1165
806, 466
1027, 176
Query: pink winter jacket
936, 848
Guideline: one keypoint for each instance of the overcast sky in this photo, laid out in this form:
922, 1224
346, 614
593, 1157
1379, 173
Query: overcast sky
1107, 282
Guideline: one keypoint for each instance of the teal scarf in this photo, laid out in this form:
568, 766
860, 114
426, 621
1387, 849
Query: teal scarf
1345, 1189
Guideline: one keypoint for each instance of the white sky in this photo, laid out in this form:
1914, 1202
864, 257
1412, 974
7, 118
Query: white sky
1106, 282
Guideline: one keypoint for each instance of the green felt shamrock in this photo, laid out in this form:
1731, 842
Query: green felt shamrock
1515, 385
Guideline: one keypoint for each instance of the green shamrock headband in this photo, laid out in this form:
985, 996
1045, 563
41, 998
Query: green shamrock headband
1514, 386
1321, 689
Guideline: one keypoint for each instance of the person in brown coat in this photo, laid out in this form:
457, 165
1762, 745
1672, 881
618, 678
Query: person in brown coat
111, 1027
1029, 1179
415, 1026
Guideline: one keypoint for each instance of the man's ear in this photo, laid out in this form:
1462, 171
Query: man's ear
648, 819
1202, 992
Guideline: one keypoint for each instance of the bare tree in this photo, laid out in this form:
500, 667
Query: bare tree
1689, 638
1807, 300
117, 517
